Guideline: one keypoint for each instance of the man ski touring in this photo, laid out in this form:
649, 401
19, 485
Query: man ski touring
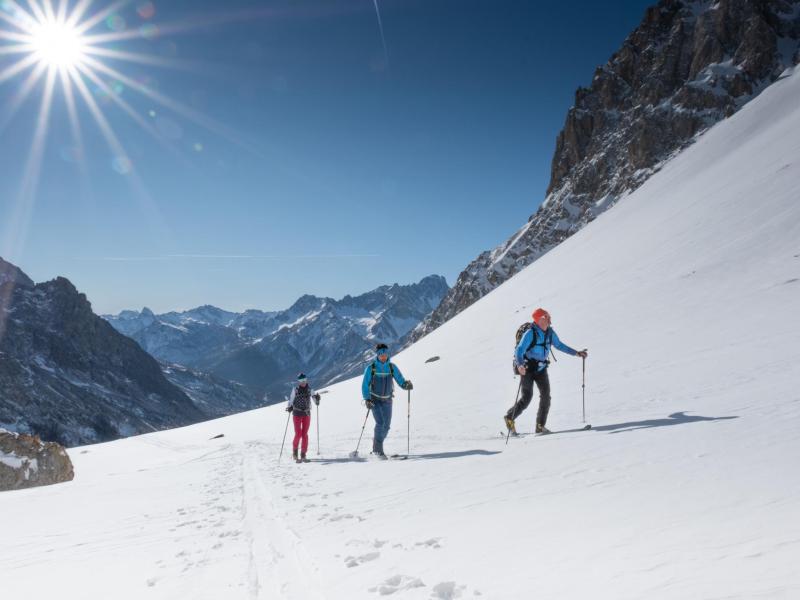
300, 407
377, 389
531, 361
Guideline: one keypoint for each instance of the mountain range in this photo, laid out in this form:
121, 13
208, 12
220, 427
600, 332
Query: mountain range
327, 339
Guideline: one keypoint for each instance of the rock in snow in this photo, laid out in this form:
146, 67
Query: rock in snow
26, 461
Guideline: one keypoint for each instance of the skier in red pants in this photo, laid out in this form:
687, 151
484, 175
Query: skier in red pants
300, 407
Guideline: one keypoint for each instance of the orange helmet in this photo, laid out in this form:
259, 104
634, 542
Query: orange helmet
539, 313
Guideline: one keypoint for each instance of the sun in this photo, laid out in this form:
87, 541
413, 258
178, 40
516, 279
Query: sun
78, 53
58, 44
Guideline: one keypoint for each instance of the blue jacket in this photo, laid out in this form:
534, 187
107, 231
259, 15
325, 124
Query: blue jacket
383, 387
540, 351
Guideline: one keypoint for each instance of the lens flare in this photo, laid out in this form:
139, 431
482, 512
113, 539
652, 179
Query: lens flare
57, 44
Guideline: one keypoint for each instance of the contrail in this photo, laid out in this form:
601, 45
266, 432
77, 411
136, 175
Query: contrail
380, 27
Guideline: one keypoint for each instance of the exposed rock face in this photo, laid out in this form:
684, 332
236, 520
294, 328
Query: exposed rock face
688, 65
68, 376
26, 461
327, 339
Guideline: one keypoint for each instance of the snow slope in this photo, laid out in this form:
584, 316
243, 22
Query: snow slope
688, 487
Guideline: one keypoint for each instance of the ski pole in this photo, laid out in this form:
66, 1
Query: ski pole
355, 452
317, 429
408, 449
289, 416
583, 389
516, 399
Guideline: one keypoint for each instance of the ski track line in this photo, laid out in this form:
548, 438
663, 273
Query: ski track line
278, 572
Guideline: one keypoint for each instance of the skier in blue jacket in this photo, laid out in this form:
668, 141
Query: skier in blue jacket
377, 390
531, 361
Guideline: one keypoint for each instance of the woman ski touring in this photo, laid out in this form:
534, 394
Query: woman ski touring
531, 362
377, 389
300, 407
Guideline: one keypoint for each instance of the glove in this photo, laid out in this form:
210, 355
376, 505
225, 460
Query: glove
582, 353
369, 404
407, 385
316, 399
289, 408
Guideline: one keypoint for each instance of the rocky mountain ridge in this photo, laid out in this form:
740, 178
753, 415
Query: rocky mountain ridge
688, 65
68, 376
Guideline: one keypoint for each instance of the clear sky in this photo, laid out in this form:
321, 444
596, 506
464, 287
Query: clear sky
296, 153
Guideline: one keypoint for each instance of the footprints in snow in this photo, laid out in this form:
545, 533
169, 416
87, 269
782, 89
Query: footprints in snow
397, 583
354, 561
446, 590
363, 553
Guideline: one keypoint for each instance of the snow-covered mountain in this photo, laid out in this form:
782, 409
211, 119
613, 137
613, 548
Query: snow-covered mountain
328, 339
68, 376
686, 295
689, 64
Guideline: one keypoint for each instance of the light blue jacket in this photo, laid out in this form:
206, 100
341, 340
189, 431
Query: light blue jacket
383, 387
541, 350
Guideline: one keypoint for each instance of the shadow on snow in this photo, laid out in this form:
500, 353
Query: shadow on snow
434, 455
678, 418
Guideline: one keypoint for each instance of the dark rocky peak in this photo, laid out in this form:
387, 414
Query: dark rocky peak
307, 303
67, 375
12, 274
686, 66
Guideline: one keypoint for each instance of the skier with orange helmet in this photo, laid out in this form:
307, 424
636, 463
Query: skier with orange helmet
531, 362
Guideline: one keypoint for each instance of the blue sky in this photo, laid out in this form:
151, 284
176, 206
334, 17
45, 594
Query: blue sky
303, 158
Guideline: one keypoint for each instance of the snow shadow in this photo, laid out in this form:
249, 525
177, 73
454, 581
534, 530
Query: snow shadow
457, 454
339, 460
678, 418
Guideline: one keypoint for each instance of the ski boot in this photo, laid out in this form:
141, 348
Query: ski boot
303, 457
542, 430
510, 426
294, 455
377, 450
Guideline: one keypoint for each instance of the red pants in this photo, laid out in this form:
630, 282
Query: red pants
301, 426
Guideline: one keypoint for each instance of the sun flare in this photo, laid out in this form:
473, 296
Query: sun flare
58, 44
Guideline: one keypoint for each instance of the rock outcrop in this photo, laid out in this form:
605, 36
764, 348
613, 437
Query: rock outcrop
26, 461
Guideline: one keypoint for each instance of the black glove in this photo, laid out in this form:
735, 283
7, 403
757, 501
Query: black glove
316, 399
408, 385
369, 404
289, 408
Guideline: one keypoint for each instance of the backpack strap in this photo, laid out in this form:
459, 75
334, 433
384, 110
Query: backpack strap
548, 340
391, 369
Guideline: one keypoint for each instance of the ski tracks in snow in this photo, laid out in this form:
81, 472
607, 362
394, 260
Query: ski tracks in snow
278, 565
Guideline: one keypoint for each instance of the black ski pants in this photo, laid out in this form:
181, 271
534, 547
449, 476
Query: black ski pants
543, 383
